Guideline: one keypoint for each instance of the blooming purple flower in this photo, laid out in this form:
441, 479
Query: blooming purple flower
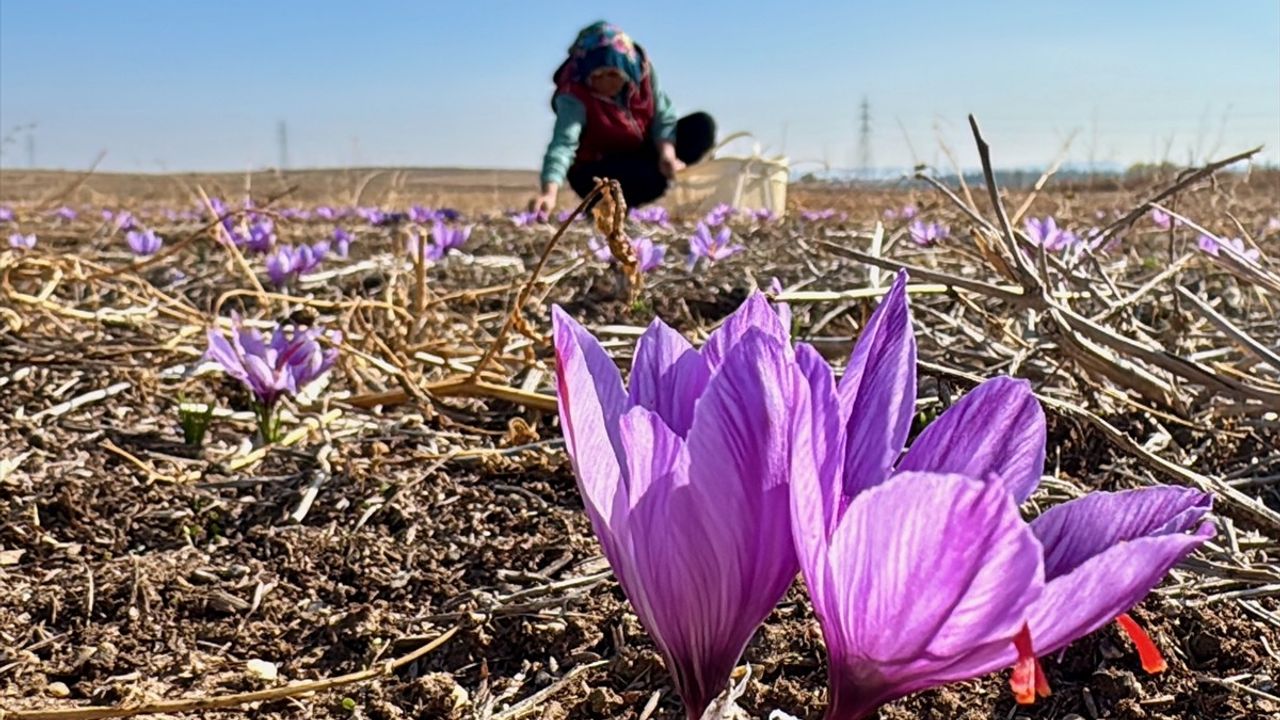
124, 221
817, 215
703, 245
649, 255
372, 215
416, 247
1000, 591
421, 215
684, 477
287, 263
927, 234
143, 243
908, 212
1273, 223
650, 215
342, 242
1235, 247
1047, 234
271, 369
18, 241
65, 214
1163, 220
448, 237
6, 214
763, 215
600, 249
280, 266
261, 235
719, 215
527, 219
324, 212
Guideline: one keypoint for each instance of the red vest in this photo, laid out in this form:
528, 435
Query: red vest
611, 129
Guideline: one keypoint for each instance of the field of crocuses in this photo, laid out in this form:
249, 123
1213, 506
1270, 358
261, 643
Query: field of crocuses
928, 450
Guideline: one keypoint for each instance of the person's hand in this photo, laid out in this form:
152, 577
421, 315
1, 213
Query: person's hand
668, 163
545, 202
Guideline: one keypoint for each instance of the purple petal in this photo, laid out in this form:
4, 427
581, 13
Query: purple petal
1075, 531
1103, 554
667, 376
816, 486
996, 429
592, 399
886, 637
755, 314
878, 392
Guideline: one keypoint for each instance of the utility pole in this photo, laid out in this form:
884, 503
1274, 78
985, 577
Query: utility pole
282, 142
864, 139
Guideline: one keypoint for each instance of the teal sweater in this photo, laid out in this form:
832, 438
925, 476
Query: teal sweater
570, 115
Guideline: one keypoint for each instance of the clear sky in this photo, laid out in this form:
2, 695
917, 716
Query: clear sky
185, 85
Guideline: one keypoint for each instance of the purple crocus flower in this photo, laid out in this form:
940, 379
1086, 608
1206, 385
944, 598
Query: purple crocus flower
649, 255
143, 243
927, 234
719, 214
342, 242
817, 215
1047, 234
684, 477
651, 215
6, 214
262, 236
324, 212
421, 215
18, 241
448, 238
271, 369
372, 215
1000, 592
763, 215
703, 245
527, 219
280, 266
1163, 220
65, 214
908, 212
124, 221
429, 251
1235, 247
1273, 223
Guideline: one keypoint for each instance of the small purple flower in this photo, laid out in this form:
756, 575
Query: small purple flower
600, 249
649, 255
448, 238
1163, 220
703, 245
418, 248
280, 266
421, 215
927, 234
1047, 234
908, 212
271, 369
1273, 224
324, 212
6, 214
372, 215
1235, 246
18, 241
342, 242
719, 215
818, 215
65, 214
651, 215
528, 219
124, 221
143, 243
262, 236
762, 215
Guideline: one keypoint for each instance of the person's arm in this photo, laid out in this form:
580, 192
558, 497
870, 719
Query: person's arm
664, 119
570, 116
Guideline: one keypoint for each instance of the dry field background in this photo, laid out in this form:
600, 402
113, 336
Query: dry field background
422, 498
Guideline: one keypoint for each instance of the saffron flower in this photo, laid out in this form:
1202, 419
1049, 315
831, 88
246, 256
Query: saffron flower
528, 219
287, 263
1000, 592
6, 214
1048, 235
65, 214
651, 215
271, 369
927, 234
1235, 247
818, 215
649, 255
448, 237
703, 245
324, 212
18, 241
143, 243
719, 215
684, 476
342, 242
1163, 220
762, 215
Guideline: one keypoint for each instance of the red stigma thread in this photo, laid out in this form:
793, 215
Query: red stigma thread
1028, 678
1152, 661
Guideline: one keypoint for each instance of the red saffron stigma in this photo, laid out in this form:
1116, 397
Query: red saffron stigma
1152, 661
1028, 678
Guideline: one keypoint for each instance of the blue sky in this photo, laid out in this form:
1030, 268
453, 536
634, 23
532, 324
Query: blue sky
201, 86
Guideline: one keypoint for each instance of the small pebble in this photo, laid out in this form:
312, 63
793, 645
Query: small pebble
58, 689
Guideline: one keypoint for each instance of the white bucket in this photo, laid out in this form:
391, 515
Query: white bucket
749, 182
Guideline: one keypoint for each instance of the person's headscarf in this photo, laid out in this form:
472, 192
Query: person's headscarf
603, 45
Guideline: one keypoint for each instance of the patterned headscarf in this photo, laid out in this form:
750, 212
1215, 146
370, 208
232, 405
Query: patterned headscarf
603, 45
